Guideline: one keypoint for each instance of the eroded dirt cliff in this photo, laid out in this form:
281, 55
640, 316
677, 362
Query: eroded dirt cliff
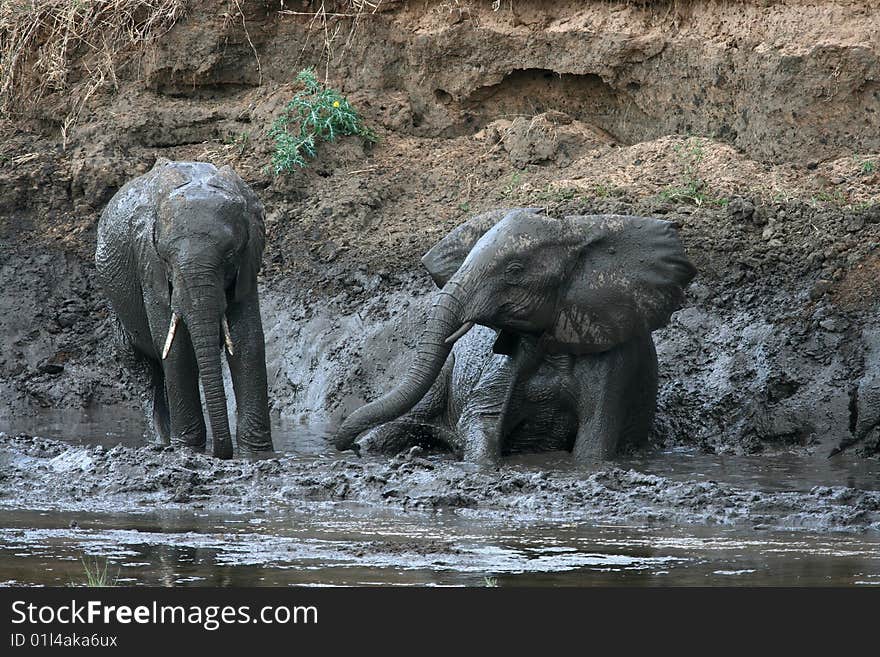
754, 125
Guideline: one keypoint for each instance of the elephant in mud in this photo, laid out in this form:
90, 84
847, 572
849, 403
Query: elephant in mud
178, 253
566, 359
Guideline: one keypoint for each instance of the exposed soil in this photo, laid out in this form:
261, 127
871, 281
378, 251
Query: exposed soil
752, 125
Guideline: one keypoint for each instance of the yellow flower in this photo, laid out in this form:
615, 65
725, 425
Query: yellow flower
335, 103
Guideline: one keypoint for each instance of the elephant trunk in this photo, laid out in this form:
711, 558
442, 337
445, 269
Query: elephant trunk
444, 322
204, 322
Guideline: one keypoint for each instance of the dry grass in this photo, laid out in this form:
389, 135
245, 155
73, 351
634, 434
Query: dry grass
40, 40
76, 47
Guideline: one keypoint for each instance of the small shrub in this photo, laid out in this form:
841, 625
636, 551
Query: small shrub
553, 194
867, 167
315, 114
240, 141
601, 190
98, 576
512, 185
692, 188
836, 197
693, 193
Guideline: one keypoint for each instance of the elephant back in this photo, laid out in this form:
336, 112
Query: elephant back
169, 181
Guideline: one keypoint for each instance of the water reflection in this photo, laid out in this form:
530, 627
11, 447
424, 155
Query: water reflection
124, 425
376, 546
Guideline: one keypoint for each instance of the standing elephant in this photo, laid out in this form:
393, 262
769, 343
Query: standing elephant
573, 302
178, 253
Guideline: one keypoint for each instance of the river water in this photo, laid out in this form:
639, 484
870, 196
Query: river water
347, 544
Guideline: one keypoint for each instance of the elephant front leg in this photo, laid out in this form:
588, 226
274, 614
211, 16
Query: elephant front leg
483, 413
247, 364
484, 416
184, 405
617, 400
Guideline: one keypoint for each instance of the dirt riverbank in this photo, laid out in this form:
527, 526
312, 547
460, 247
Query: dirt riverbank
683, 110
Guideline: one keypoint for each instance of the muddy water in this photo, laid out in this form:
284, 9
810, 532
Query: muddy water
335, 543
339, 548
111, 426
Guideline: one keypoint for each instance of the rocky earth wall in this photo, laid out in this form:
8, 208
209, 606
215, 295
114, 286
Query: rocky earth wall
754, 125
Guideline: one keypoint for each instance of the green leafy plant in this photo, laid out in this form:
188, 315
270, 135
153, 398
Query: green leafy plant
316, 113
512, 185
601, 190
693, 193
555, 194
861, 206
240, 141
836, 197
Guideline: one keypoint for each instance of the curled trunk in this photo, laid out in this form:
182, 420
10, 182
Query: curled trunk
444, 320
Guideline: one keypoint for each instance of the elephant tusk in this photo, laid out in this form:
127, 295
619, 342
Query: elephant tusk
172, 329
227, 337
464, 328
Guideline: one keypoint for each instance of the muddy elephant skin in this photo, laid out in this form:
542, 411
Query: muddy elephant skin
572, 303
178, 253
612, 394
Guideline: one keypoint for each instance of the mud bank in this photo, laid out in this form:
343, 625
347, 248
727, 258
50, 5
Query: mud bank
787, 80
59, 348
571, 106
776, 347
43, 474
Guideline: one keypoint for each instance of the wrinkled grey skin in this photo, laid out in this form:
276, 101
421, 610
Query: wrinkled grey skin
592, 404
187, 237
573, 302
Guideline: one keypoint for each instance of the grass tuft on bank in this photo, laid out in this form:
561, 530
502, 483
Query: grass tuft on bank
41, 39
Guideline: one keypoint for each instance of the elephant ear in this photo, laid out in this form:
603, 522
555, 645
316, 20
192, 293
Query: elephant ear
252, 254
446, 256
629, 278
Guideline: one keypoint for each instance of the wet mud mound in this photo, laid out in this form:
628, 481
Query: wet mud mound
753, 127
59, 341
40, 473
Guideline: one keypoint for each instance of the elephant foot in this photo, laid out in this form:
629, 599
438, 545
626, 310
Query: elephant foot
401, 435
262, 448
254, 435
222, 449
197, 445
591, 451
485, 458
481, 439
390, 438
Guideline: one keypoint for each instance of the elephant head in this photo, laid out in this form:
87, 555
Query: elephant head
580, 284
208, 237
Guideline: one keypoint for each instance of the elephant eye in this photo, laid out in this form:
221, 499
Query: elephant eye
513, 271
